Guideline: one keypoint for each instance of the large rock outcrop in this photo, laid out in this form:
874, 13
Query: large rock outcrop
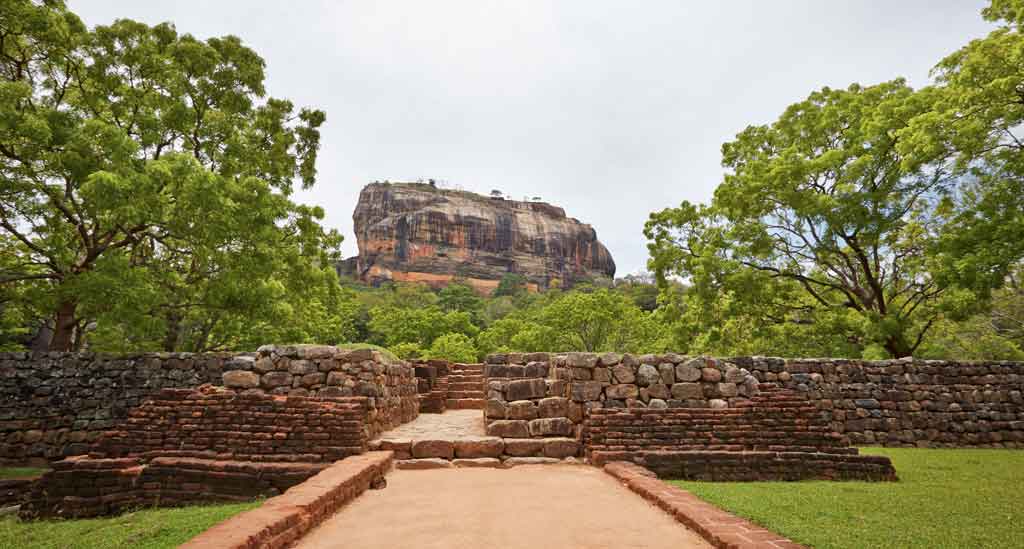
417, 232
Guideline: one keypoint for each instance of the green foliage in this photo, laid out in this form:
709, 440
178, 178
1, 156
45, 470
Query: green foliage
147, 182
407, 351
996, 334
144, 529
393, 326
453, 348
511, 284
579, 320
862, 217
461, 297
969, 489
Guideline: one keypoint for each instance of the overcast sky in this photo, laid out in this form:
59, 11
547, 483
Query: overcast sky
608, 109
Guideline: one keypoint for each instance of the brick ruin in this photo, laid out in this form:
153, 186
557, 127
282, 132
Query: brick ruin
257, 437
776, 435
135, 430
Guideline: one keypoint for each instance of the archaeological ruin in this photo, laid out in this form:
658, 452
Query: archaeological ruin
153, 429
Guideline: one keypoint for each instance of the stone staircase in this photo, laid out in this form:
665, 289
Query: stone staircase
465, 387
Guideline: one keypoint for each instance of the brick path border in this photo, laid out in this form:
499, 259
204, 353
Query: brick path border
720, 528
283, 519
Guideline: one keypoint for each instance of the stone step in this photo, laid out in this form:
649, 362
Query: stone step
465, 395
465, 403
465, 377
467, 447
440, 463
467, 386
467, 368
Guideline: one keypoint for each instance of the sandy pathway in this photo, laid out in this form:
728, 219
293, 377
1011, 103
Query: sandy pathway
529, 507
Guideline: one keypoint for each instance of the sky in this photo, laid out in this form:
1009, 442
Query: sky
611, 110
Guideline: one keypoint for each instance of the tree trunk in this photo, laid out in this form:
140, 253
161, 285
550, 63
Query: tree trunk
898, 347
64, 327
173, 336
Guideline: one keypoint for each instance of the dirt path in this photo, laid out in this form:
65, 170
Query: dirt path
529, 507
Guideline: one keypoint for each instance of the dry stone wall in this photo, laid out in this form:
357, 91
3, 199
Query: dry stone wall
908, 402
58, 404
551, 394
890, 403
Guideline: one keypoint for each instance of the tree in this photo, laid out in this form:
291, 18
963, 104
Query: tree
515, 334
586, 319
453, 348
642, 288
996, 334
459, 296
822, 201
392, 326
511, 284
977, 118
144, 174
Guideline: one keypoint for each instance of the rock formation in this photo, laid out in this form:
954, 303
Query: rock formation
417, 232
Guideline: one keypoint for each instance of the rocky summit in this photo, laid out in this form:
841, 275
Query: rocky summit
416, 232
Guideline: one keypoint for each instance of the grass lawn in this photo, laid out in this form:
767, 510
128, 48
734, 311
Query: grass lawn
20, 472
147, 529
945, 498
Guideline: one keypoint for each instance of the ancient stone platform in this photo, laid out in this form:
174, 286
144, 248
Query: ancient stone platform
456, 438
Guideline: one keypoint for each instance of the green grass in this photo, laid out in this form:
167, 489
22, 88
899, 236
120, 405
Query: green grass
945, 498
145, 529
20, 472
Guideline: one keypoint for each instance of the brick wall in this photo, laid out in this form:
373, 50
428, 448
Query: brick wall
223, 424
776, 435
201, 445
83, 486
776, 420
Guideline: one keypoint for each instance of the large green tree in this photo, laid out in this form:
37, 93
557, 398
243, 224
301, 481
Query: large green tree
144, 176
819, 201
870, 213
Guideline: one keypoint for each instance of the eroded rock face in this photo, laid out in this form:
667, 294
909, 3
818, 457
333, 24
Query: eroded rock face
418, 233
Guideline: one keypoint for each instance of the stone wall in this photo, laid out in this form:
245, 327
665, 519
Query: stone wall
324, 371
57, 404
889, 403
547, 394
908, 402
217, 423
